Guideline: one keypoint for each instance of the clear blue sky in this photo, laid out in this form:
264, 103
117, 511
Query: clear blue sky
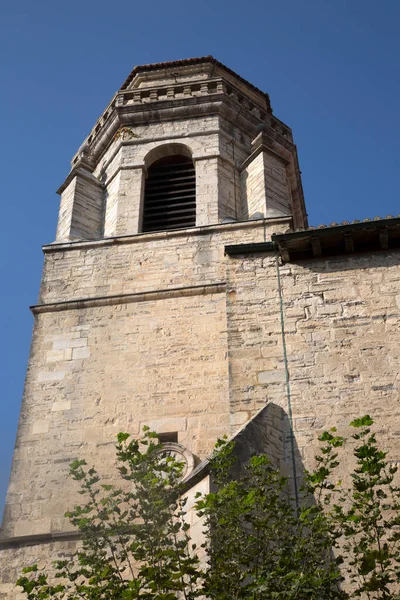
331, 69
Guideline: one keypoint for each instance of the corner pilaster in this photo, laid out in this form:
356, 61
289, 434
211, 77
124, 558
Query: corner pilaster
124, 202
81, 207
264, 182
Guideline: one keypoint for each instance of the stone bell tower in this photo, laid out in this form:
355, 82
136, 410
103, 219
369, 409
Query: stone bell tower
139, 321
244, 159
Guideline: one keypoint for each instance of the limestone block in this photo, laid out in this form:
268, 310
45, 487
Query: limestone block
264, 182
207, 189
80, 352
61, 406
275, 376
32, 527
40, 427
51, 375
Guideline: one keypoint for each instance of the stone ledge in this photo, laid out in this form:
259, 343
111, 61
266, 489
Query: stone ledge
40, 538
159, 235
196, 290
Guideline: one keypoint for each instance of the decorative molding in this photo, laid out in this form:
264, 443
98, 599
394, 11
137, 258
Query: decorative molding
181, 454
125, 133
170, 108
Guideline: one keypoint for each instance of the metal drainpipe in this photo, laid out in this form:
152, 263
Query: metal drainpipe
287, 380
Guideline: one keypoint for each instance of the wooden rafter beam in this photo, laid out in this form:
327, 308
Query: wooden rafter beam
349, 242
316, 246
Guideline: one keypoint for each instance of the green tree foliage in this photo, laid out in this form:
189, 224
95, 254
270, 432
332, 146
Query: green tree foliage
135, 539
364, 518
258, 545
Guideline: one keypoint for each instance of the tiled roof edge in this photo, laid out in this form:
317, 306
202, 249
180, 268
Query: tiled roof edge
389, 219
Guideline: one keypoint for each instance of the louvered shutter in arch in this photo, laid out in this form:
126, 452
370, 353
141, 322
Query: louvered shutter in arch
170, 194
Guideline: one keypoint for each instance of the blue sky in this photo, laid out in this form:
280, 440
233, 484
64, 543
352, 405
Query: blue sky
331, 69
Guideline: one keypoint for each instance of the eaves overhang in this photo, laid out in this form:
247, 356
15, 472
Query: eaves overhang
326, 242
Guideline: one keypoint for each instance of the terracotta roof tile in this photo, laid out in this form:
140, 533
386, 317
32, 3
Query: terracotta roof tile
355, 222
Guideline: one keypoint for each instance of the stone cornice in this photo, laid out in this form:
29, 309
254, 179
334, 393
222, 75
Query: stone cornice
183, 109
146, 296
203, 64
158, 104
40, 538
146, 237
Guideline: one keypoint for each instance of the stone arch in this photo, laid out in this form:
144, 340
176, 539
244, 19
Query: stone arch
169, 200
148, 153
204, 164
164, 150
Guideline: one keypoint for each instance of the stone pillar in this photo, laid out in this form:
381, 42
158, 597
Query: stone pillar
217, 190
124, 202
264, 182
228, 190
206, 190
81, 207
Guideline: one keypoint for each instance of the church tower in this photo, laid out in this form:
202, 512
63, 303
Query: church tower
184, 291
131, 324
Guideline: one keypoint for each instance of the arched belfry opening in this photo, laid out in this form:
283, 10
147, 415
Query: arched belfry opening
170, 194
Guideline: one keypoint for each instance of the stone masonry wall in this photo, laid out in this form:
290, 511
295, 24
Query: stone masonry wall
342, 327
146, 262
166, 330
146, 343
102, 370
14, 558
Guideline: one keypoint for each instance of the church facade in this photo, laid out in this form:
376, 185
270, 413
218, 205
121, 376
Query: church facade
185, 291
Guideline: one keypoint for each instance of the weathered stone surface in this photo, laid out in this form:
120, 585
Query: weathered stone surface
167, 330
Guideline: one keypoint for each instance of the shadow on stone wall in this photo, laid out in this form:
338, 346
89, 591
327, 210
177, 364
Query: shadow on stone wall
269, 432
351, 262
